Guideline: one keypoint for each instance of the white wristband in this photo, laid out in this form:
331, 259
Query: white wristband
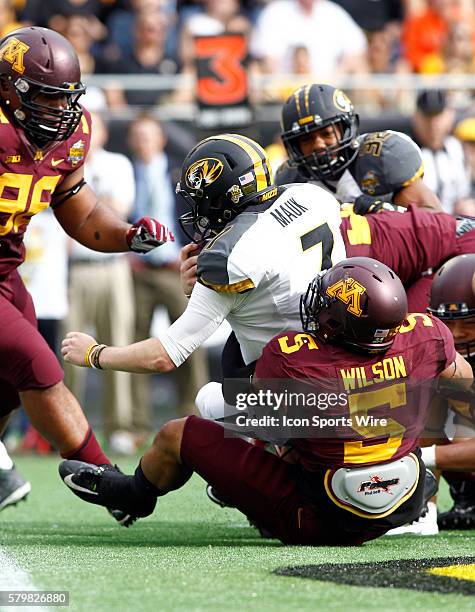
428, 456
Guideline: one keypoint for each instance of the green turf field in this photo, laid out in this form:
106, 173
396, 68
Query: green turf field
192, 555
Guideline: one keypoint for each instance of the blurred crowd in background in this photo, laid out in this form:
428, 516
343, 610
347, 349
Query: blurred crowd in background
315, 39
135, 156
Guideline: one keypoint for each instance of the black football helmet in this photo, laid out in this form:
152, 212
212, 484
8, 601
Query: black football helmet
359, 303
38, 61
311, 108
452, 295
220, 177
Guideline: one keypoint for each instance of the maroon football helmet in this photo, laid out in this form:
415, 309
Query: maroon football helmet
452, 295
40, 62
359, 303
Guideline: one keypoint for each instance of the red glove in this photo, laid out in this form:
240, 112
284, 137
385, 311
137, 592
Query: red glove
147, 234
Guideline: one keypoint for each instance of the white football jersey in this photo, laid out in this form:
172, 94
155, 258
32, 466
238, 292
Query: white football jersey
267, 259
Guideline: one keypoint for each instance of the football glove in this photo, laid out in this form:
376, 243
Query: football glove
147, 234
367, 205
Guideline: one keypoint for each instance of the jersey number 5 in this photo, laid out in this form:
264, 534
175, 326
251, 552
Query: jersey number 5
360, 404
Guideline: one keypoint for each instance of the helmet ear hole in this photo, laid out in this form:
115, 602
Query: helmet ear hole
230, 160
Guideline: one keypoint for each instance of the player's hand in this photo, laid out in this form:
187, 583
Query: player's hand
147, 234
367, 205
188, 267
74, 348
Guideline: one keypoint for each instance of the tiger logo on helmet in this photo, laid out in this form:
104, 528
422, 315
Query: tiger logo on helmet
203, 172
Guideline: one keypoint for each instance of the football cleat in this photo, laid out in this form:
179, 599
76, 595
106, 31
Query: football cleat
462, 513
13, 487
123, 518
426, 524
214, 495
105, 485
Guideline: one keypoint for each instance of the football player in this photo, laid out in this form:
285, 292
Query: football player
452, 299
341, 489
45, 135
263, 245
323, 144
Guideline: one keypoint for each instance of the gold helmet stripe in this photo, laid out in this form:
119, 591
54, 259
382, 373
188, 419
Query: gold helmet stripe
265, 158
307, 94
297, 100
263, 179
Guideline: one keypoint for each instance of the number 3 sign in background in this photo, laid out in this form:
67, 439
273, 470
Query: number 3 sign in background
222, 84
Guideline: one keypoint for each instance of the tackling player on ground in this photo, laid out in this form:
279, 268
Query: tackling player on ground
354, 316
452, 299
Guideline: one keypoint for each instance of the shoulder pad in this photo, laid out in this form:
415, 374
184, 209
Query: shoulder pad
213, 268
285, 174
387, 162
85, 123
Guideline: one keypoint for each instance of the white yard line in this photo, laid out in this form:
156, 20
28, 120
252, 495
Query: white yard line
14, 578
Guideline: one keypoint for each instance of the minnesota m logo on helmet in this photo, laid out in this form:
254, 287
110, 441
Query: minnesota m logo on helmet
13, 52
349, 292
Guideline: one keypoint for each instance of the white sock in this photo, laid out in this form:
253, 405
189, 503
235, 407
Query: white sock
5, 462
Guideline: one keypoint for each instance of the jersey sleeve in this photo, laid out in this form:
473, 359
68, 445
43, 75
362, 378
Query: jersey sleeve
448, 346
215, 272
218, 266
409, 243
79, 142
204, 313
271, 364
388, 161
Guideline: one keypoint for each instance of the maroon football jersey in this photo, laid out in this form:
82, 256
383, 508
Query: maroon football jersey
409, 243
394, 386
466, 243
418, 293
28, 179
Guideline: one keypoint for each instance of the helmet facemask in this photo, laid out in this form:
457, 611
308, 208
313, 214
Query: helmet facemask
446, 314
45, 123
206, 217
330, 162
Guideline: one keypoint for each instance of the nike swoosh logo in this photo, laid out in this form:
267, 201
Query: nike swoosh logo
56, 162
72, 485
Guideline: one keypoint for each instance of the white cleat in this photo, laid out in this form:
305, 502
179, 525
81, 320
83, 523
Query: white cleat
426, 524
13, 487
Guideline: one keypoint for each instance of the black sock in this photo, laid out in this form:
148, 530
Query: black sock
143, 486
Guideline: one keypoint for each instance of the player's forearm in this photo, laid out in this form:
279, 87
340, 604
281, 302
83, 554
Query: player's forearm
456, 456
144, 357
422, 197
102, 230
